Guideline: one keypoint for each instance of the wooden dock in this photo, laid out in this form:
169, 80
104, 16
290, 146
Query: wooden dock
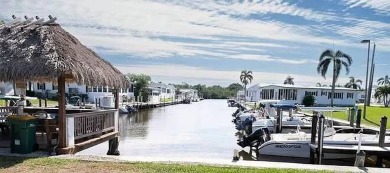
379, 152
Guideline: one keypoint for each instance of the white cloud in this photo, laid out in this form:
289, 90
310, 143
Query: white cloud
381, 6
167, 72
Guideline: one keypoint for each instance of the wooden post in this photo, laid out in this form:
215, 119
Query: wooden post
61, 112
45, 102
352, 117
255, 106
358, 118
116, 94
40, 102
279, 120
320, 138
96, 103
382, 131
314, 121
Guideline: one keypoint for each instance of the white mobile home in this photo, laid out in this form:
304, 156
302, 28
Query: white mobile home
294, 94
161, 91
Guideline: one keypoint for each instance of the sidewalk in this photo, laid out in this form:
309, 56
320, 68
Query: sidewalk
203, 161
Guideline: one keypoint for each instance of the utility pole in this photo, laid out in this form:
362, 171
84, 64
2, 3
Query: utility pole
371, 76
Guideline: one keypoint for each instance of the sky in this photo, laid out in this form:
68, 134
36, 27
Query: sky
211, 42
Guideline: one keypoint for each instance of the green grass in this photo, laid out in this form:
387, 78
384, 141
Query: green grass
166, 100
35, 102
41, 165
373, 117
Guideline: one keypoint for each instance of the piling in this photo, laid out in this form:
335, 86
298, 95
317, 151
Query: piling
40, 102
382, 131
255, 106
96, 103
279, 120
45, 102
352, 117
358, 118
314, 121
320, 138
290, 112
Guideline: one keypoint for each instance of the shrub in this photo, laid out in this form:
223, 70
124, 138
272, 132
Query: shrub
308, 100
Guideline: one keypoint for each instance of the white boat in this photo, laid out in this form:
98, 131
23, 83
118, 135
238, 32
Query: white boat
298, 144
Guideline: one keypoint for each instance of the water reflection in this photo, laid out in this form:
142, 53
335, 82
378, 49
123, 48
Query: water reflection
197, 130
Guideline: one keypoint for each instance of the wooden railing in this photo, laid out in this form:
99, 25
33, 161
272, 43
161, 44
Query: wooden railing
93, 123
12, 109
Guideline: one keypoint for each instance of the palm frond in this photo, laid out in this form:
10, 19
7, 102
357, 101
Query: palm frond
322, 67
327, 53
341, 55
346, 66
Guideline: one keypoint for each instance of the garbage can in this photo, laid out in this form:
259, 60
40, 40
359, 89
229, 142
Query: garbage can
22, 133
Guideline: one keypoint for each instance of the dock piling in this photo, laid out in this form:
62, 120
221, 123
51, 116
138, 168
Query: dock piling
45, 102
352, 117
320, 138
40, 102
358, 118
279, 120
382, 131
314, 121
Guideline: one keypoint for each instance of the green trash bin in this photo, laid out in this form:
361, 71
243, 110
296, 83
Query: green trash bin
23, 128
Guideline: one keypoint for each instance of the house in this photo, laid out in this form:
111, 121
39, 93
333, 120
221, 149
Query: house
191, 94
161, 91
293, 94
49, 90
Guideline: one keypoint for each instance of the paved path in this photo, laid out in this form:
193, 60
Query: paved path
205, 161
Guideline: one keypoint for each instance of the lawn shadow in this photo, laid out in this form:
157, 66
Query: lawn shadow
374, 123
10, 161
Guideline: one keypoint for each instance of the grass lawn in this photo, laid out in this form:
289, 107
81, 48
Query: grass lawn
41, 165
167, 100
35, 102
373, 117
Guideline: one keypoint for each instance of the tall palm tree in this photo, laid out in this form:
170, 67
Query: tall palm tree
320, 85
384, 80
353, 83
246, 78
289, 80
383, 92
338, 60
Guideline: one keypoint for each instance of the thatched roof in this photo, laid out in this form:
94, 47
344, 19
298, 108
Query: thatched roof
46, 52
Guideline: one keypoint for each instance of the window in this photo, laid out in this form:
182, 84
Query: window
100, 89
349, 95
94, 89
54, 87
313, 93
41, 86
110, 90
168, 91
324, 93
89, 89
336, 95
267, 94
74, 90
287, 94
105, 89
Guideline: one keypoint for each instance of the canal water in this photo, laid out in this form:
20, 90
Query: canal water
197, 130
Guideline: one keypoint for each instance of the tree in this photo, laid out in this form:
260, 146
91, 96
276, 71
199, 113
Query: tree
338, 59
234, 88
383, 92
308, 100
289, 80
384, 80
246, 78
320, 85
141, 83
353, 83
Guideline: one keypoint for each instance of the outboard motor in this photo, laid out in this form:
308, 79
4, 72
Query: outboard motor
243, 124
235, 113
257, 138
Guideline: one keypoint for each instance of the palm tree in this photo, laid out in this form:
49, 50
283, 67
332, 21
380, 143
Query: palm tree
246, 78
320, 85
339, 59
289, 80
353, 83
383, 92
384, 80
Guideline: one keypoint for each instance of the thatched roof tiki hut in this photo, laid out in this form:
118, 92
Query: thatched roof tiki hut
43, 51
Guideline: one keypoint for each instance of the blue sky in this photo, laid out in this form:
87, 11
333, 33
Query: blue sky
210, 42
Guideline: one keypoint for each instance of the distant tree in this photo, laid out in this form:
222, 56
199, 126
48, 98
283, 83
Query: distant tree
246, 78
384, 80
289, 80
338, 59
141, 82
353, 83
383, 93
320, 85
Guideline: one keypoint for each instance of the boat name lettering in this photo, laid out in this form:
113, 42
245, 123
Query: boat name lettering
287, 146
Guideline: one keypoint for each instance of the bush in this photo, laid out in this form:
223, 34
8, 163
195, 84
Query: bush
308, 100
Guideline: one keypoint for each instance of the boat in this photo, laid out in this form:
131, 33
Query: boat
297, 143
